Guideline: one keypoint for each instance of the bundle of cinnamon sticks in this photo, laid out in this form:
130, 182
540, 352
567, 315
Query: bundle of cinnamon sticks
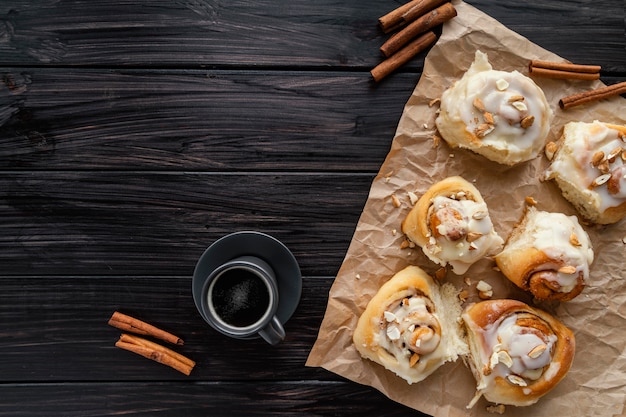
413, 22
147, 348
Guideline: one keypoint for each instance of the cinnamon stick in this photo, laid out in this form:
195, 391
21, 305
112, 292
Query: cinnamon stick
564, 70
592, 95
407, 13
156, 352
403, 56
133, 325
426, 22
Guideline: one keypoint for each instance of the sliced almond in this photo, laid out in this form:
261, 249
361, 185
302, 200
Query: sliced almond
473, 236
550, 150
414, 359
478, 103
527, 122
597, 158
484, 129
520, 106
614, 153
393, 333
479, 215
502, 84
505, 359
573, 239
395, 201
412, 197
516, 98
537, 351
389, 316
567, 269
517, 380
602, 179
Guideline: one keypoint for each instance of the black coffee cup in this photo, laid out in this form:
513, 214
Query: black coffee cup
240, 298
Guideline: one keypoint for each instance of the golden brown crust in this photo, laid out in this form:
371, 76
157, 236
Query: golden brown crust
482, 321
416, 300
536, 269
459, 244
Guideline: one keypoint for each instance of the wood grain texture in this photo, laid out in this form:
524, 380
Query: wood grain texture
126, 223
198, 120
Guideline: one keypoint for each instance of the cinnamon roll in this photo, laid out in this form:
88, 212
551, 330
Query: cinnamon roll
517, 353
590, 170
410, 326
548, 254
451, 224
501, 115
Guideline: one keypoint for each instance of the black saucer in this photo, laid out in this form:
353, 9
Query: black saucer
263, 246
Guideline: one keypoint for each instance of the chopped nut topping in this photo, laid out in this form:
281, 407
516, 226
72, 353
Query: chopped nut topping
483, 286
389, 316
393, 333
478, 103
463, 295
597, 158
485, 295
527, 122
550, 150
513, 99
484, 129
412, 197
486, 370
516, 380
479, 215
436, 140
414, 359
611, 157
404, 244
505, 359
396, 202
489, 118
502, 84
520, 106
537, 351
472, 236
601, 180
567, 269
573, 239
604, 166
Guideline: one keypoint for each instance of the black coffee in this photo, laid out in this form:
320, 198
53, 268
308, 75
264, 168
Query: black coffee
240, 297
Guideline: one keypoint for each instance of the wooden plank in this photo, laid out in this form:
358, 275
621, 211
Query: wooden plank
161, 33
288, 398
197, 120
134, 223
54, 329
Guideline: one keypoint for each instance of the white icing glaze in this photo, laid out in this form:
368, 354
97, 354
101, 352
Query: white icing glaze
408, 327
455, 240
508, 97
505, 338
573, 162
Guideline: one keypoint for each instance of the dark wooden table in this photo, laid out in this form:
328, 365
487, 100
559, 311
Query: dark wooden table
135, 133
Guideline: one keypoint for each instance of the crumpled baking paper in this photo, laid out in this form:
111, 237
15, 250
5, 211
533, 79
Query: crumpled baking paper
596, 383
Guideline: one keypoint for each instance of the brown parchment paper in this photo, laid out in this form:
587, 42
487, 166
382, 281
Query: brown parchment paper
596, 383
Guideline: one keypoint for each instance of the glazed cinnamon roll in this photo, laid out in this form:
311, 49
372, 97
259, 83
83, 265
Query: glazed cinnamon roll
451, 224
548, 254
501, 115
590, 170
517, 353
410, 326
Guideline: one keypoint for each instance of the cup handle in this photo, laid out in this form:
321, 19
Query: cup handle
273, 333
